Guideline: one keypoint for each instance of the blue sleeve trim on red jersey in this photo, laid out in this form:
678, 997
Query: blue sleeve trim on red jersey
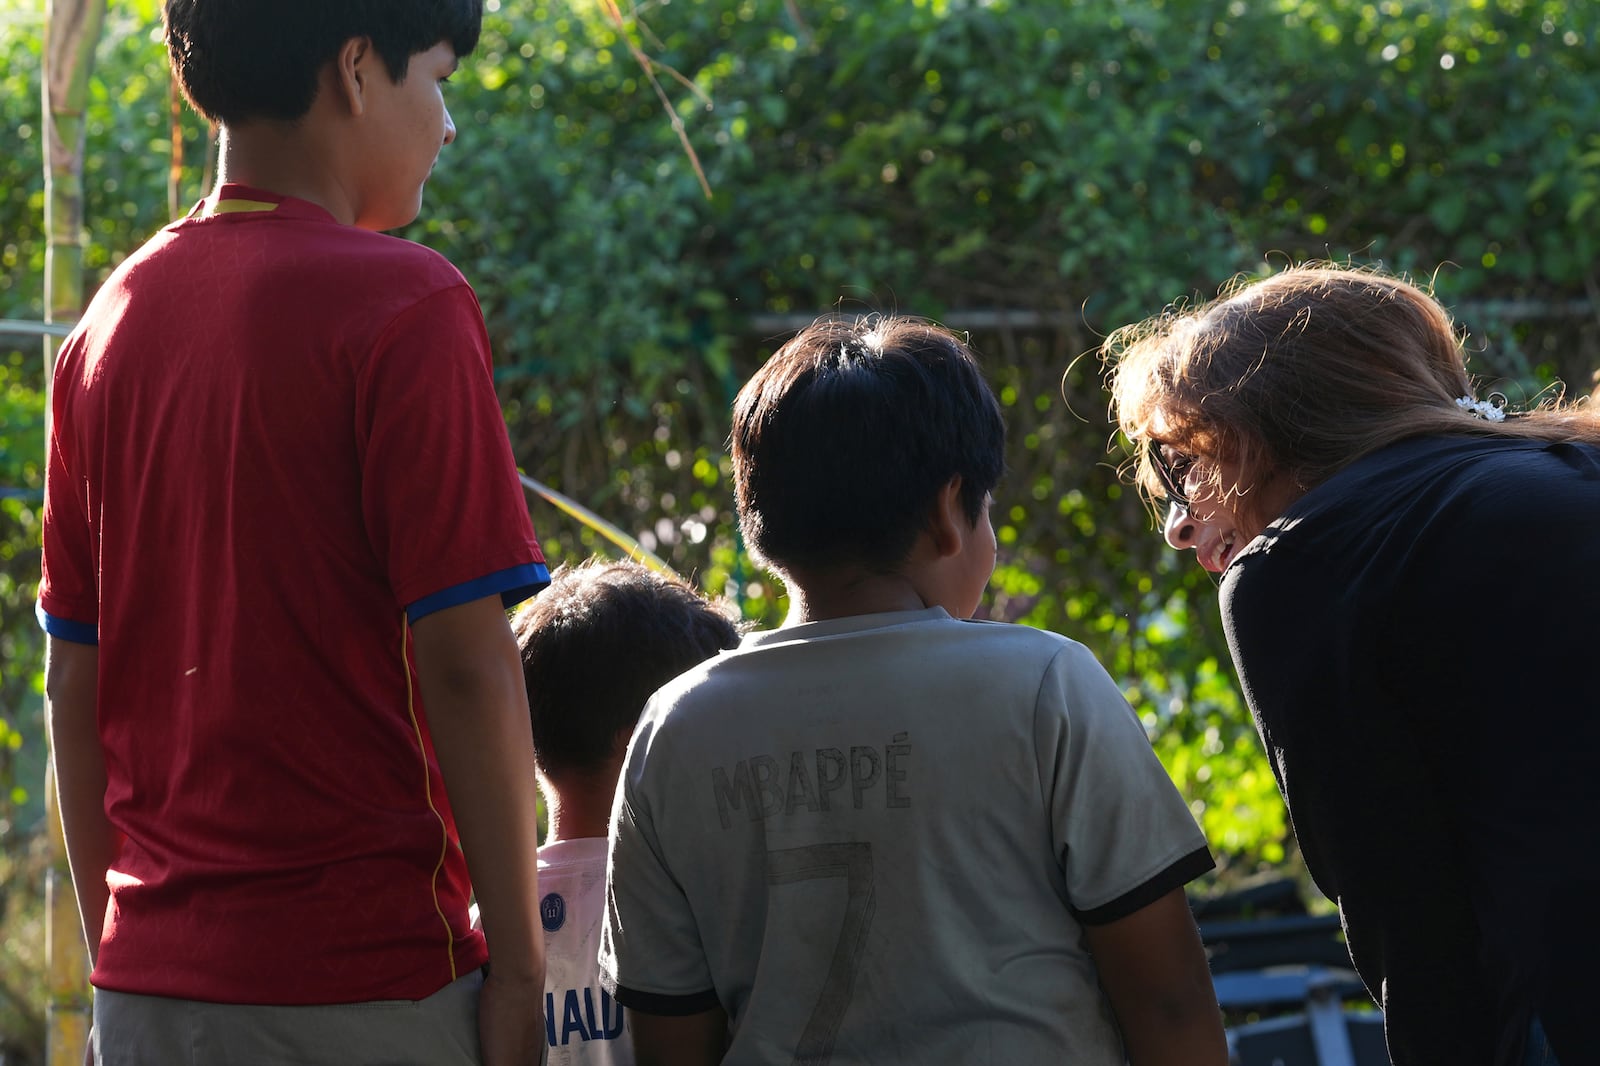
65, 628
514, 585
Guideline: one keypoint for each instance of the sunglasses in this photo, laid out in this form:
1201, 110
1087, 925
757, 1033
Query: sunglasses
1173, 467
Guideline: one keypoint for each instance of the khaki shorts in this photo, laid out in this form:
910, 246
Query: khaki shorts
442, 1030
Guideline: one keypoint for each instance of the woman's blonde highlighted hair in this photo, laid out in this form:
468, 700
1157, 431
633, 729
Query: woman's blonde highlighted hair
1299, 374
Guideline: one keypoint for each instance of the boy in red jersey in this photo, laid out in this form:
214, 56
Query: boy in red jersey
281, 519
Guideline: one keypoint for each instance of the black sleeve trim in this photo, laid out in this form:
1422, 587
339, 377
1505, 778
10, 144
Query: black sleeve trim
657, 1003
1177, 875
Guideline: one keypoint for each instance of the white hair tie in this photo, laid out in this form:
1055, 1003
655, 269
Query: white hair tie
1488, 410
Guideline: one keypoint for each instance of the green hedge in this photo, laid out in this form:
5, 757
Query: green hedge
1084, 163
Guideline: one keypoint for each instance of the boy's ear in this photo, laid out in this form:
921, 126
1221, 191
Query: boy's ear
352, 67
947, 524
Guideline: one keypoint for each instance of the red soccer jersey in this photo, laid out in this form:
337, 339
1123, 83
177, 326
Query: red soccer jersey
274, 437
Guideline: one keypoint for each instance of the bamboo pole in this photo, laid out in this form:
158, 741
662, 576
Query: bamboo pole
71, 30
69, 1011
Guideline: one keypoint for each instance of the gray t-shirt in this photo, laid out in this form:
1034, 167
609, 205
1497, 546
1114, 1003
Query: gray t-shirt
877, 840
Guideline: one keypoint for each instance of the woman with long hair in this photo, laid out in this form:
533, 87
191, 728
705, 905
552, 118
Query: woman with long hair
1411, 592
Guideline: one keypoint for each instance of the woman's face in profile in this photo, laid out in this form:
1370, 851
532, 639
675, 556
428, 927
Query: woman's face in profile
1210, 510
1201, 518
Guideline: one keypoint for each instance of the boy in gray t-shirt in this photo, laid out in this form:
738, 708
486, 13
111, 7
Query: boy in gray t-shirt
882, 833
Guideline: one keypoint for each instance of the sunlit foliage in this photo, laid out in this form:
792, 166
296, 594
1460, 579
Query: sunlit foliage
1075, 165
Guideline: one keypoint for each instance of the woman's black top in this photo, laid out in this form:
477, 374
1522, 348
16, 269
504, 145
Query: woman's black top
1419, 640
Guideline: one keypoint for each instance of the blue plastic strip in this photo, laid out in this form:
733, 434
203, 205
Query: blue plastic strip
514, 585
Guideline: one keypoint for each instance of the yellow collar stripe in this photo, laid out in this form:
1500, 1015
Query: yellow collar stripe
230, 207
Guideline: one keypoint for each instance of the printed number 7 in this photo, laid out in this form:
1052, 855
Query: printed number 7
853, 862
